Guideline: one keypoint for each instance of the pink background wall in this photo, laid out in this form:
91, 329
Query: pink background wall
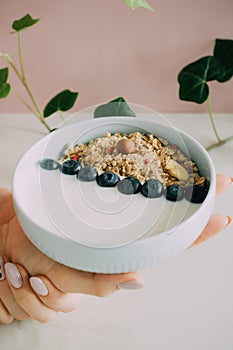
103, 49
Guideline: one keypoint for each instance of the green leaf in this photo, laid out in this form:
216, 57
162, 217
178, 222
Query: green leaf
223, 51
193, 88
3, 75
194, 77
24, 23
4, 89
61, 102
134, 4
116, 107
4, 86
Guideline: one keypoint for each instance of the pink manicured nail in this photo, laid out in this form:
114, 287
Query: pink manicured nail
2, 273
131, 285
38, 286
13, 274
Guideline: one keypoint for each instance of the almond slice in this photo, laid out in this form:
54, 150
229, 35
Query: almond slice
177, 170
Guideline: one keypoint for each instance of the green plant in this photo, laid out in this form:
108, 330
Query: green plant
63, 101
116, 107
133, 4
193, 79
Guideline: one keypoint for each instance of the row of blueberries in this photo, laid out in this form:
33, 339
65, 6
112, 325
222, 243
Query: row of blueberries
152, 188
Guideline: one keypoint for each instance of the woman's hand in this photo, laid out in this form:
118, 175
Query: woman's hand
55, 287
23, 297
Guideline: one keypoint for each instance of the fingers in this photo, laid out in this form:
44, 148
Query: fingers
71, 280
52, 297
105, 285
222, 183
5, 316
24, 296
11, 305
8, 302
215, 225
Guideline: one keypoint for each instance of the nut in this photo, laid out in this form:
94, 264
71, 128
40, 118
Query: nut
177, 170
125, 146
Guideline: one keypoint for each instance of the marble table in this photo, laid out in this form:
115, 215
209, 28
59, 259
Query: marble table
187, 304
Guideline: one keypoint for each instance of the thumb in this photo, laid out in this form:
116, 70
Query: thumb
215, 225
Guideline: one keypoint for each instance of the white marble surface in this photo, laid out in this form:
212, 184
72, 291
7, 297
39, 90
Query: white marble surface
188, 302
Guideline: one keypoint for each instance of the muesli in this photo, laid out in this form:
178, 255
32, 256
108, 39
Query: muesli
138, 155
134, 162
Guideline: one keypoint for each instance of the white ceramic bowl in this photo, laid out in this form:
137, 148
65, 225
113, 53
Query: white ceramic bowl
100, 230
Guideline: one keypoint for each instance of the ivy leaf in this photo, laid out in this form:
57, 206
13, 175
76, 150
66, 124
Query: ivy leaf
24, 23
61, 102
4, 89
4, 86
194, 77
134, 4
4, 75
223, 51
116, 107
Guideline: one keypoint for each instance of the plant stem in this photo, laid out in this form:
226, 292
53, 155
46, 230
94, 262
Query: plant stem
212, 121
24, 82
25, 102
221, 143
27, 88
15, 70
61, 115
21, 56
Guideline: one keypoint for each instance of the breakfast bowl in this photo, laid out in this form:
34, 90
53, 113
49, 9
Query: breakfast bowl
100, 229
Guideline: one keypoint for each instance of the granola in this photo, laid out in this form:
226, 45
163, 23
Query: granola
143, 156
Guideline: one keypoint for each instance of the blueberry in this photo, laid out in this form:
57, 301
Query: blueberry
174, 193
87, 173
108, 179
195, 194
70, 167
152, 188
129, 185
49, 164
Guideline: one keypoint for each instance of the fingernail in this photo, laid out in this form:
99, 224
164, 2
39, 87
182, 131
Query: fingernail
38, 286
2, 273
130, 285
13, 274
229, 220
